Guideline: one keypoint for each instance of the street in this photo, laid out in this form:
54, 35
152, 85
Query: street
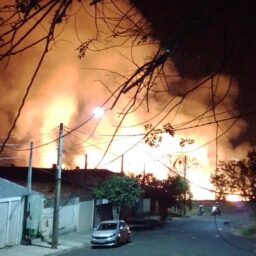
184, 237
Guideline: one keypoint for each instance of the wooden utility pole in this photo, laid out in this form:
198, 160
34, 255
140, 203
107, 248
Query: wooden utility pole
26, 222
144, 173
185, 178
86, 161
122, 164
55, 225
29, 179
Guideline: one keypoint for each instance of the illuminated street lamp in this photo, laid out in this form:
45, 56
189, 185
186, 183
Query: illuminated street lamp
98, 112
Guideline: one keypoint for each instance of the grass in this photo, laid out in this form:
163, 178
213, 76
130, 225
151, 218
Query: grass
249, 231
249, 228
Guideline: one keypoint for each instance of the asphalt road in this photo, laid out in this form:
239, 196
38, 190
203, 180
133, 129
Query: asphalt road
197, 236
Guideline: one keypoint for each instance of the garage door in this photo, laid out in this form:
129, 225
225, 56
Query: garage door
10, 221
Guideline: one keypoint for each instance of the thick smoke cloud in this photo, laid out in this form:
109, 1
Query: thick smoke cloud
68, 88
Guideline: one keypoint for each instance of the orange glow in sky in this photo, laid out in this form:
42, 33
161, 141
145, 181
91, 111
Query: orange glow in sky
69, 89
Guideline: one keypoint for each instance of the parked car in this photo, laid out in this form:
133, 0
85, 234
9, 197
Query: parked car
111, 233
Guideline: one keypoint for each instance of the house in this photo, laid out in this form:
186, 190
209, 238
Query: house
43, 180
88, 179
12, 210
77, 208
39, 209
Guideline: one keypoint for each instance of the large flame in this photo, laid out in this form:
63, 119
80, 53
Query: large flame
67, 92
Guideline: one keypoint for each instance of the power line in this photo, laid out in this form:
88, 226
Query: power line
228, 241
130, 135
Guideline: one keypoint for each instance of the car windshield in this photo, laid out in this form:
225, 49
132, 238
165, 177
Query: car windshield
107, 226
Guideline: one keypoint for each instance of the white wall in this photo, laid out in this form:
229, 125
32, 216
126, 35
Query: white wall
68, 216
35, 202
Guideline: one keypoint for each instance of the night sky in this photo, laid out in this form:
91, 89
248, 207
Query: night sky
207, 37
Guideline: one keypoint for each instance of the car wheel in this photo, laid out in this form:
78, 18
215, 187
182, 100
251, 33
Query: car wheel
129, 239
118, 242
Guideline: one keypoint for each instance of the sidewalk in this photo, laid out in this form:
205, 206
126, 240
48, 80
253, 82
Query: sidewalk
41, 248
68, 242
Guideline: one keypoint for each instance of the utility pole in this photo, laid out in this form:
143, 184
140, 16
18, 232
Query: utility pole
55, 225
122, 164
143, 187
29, 179
86, 162
144, 173
26, 221
185, 178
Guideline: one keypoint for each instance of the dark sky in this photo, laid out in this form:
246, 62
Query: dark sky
205, 37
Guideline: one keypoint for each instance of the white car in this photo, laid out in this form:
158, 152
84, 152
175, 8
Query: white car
110, 233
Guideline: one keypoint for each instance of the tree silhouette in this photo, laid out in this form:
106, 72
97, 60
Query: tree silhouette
236, 177
167, 192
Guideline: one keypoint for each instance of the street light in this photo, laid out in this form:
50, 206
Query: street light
98, 112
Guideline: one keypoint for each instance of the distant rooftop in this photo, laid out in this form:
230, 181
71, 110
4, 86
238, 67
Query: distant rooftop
78, 181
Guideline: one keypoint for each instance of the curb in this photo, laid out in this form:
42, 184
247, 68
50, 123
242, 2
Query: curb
65, 250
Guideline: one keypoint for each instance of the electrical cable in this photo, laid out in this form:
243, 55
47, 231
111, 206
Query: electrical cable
228, 241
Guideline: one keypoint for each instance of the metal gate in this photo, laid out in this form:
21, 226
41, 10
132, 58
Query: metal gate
10, 221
